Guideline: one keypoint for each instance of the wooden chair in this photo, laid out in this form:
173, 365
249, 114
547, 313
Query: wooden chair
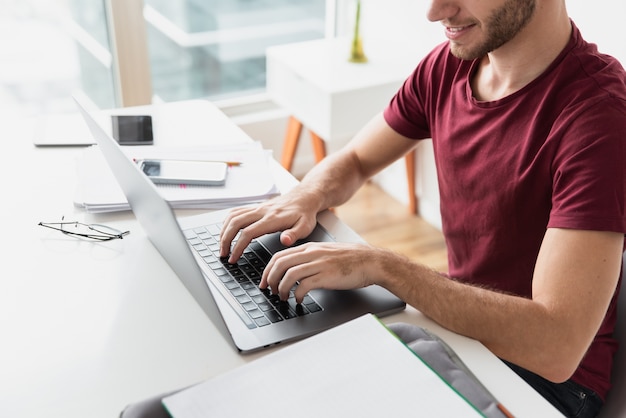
615, 405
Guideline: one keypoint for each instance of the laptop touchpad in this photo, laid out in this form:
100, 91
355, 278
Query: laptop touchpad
272, 241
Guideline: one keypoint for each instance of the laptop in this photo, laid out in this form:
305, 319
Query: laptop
249, 318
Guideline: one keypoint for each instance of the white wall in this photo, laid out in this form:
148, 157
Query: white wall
600, 21
406, 19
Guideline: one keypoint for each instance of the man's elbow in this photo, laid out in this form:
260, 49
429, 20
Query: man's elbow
559, 365
559, 374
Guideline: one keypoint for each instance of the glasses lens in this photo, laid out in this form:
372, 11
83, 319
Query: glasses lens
82, 230
103, 229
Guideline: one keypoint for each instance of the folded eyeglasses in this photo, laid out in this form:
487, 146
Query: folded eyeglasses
95, 232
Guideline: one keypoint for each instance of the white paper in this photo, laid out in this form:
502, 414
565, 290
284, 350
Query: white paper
98, 191
358, 369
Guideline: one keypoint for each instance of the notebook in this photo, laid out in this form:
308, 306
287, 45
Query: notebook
177, 240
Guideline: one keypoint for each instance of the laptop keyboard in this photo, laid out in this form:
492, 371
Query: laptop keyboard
242, 280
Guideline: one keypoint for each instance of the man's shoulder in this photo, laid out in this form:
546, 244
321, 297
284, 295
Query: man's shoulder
593, 69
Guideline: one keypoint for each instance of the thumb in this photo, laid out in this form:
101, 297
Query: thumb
287, 238
300, 230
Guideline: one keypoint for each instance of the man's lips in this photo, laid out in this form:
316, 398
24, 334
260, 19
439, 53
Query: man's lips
455, 32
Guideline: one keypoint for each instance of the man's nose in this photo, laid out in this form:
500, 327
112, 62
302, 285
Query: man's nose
442, 9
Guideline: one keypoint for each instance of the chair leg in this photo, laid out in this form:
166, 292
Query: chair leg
292, 137
409, 161
319, 147
319, 151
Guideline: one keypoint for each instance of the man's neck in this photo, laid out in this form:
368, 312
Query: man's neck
520, 61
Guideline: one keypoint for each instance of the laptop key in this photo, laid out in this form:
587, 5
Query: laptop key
288, 314
313, 307
205, 236
205, 253
241, 278
246, 268
265, 306
253, 275
213, 265
274, 300
238, 291
220, 271
232, 285
255, 261
311, 304
249, 306
193, 240
215, 230
284, 309
274, 316
263, 321
297, 308
258, 299
249, 287
243, 299
255, 314
261, 251
228, 266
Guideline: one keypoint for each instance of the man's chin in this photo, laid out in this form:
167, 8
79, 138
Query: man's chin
462, 53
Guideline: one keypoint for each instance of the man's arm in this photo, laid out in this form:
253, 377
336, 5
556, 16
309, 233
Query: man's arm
575, 277
330, 183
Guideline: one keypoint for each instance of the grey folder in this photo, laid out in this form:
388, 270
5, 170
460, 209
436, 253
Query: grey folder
165, 232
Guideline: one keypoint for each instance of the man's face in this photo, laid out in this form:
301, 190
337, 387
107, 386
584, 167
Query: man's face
476, 27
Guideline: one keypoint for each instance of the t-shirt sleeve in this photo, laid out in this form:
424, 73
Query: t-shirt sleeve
589, 171
409, 110
405, 113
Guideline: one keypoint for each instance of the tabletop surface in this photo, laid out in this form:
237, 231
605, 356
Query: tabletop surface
90, 327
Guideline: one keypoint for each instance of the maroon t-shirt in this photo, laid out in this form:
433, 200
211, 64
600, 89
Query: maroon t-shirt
552, 155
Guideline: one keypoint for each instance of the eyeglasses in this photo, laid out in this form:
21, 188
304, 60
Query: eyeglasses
95, 232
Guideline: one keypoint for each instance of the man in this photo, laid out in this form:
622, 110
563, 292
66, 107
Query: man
528, 123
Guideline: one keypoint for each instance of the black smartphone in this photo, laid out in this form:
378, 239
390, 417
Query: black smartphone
132, 129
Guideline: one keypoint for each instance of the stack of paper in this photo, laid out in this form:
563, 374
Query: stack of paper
249, 182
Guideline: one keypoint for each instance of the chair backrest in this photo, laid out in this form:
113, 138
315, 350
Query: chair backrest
615, 405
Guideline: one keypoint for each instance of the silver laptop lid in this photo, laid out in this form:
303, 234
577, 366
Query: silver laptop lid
158, 221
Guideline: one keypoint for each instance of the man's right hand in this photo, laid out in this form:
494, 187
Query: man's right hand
329, 183
294, 217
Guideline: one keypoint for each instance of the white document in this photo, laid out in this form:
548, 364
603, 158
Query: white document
251, 182
358, 369
62, 129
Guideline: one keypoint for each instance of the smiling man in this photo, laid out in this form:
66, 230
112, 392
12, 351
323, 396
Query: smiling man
528, 123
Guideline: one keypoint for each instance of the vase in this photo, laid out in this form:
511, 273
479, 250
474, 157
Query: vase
357, 54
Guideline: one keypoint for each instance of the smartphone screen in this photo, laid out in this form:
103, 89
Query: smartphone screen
207, 173
132, 129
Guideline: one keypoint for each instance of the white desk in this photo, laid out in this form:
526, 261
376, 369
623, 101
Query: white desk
90, 327
335, 98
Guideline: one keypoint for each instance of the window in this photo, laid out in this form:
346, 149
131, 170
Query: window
216, 48
201, 49
211, 49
